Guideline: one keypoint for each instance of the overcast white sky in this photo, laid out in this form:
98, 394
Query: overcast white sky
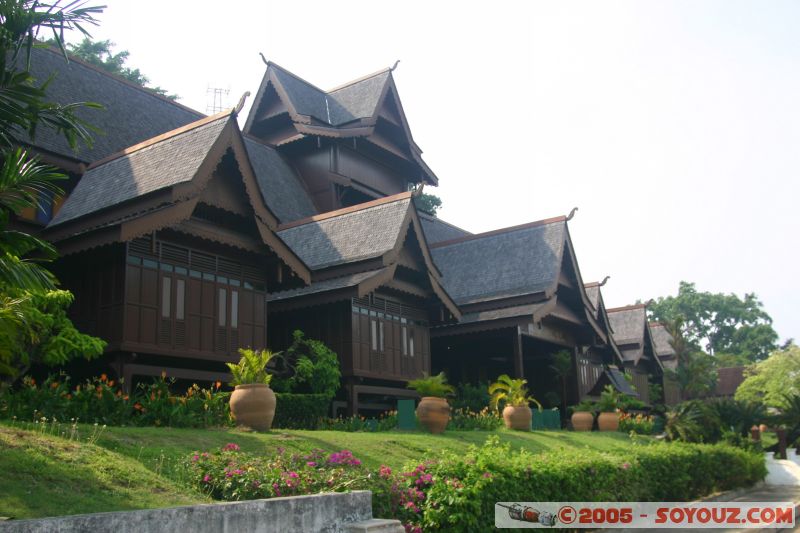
673, 126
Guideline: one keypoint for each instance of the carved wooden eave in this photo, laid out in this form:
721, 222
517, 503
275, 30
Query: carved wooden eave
174, 205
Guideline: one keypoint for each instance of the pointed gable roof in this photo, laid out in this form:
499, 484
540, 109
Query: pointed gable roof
348, 235
350, 110
371, 236
632, 333
156, 164
160, 182
499, 264
662, 340
131, 113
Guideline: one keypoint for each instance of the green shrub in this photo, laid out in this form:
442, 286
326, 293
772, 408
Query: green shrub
483, 420
458, 492
470, 397
310, 367
300, 411
385, 422
465, 488
639, 423
101, 400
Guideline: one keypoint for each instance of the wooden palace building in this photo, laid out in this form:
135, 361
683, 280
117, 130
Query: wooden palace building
184, 238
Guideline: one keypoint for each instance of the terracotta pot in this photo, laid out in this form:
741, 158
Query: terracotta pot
253, 406
433, 413
608, 421
517, 417
762, 428
582, 421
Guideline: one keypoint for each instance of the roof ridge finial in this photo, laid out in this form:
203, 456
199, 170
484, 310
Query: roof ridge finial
571, 214
605, 280
417, 191
240, 105
264, 59
394, 66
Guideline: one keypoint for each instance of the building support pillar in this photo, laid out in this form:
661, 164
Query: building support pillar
519, 371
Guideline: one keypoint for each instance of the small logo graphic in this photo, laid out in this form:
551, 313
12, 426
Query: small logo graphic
523, 513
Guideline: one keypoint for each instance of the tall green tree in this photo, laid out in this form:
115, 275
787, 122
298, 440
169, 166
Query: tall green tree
719, 323
771, 381
695, 374
101, 55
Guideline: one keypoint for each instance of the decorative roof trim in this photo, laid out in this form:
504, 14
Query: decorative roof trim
500, 231
625, 308
346, 210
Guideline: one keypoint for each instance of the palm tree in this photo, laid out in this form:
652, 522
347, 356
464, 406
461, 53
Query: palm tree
562, 368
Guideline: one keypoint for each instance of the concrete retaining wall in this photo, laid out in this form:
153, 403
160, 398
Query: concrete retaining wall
329, 513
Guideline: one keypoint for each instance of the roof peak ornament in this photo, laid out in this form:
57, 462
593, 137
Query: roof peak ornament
264, 59
605, 280
240, 105
572, 213
416, 192
394, 66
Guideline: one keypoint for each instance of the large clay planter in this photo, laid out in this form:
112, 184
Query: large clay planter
517, 417
433, 413
608, 421
582, 421
253, 406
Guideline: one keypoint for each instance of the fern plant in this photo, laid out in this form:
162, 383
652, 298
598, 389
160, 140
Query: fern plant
513, 392
251, 368
435, 386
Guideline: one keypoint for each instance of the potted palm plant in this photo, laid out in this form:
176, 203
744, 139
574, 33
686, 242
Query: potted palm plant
252, 401
513, 393
608, 419
433, 411
583, 416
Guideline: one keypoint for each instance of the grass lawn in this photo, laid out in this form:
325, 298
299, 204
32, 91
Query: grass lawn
117, 468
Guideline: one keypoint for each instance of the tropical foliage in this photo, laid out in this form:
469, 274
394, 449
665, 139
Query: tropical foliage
33, 323
251, 368
513, 392
435, 386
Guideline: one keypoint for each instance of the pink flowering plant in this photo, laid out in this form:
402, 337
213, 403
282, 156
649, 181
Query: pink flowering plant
229, 474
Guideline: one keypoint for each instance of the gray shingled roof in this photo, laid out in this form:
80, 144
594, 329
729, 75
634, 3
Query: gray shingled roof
503, 312
350, 102
628, 324
593, 294
163, 164
280, 187
359, 99
502, 265
327, 285
662, 340
131, 114
437, 230
350, 237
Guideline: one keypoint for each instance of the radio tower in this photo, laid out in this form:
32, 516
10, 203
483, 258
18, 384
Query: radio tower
217, 99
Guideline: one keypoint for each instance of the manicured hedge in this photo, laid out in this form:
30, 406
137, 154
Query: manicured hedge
458, 492
300, 411
465, 489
